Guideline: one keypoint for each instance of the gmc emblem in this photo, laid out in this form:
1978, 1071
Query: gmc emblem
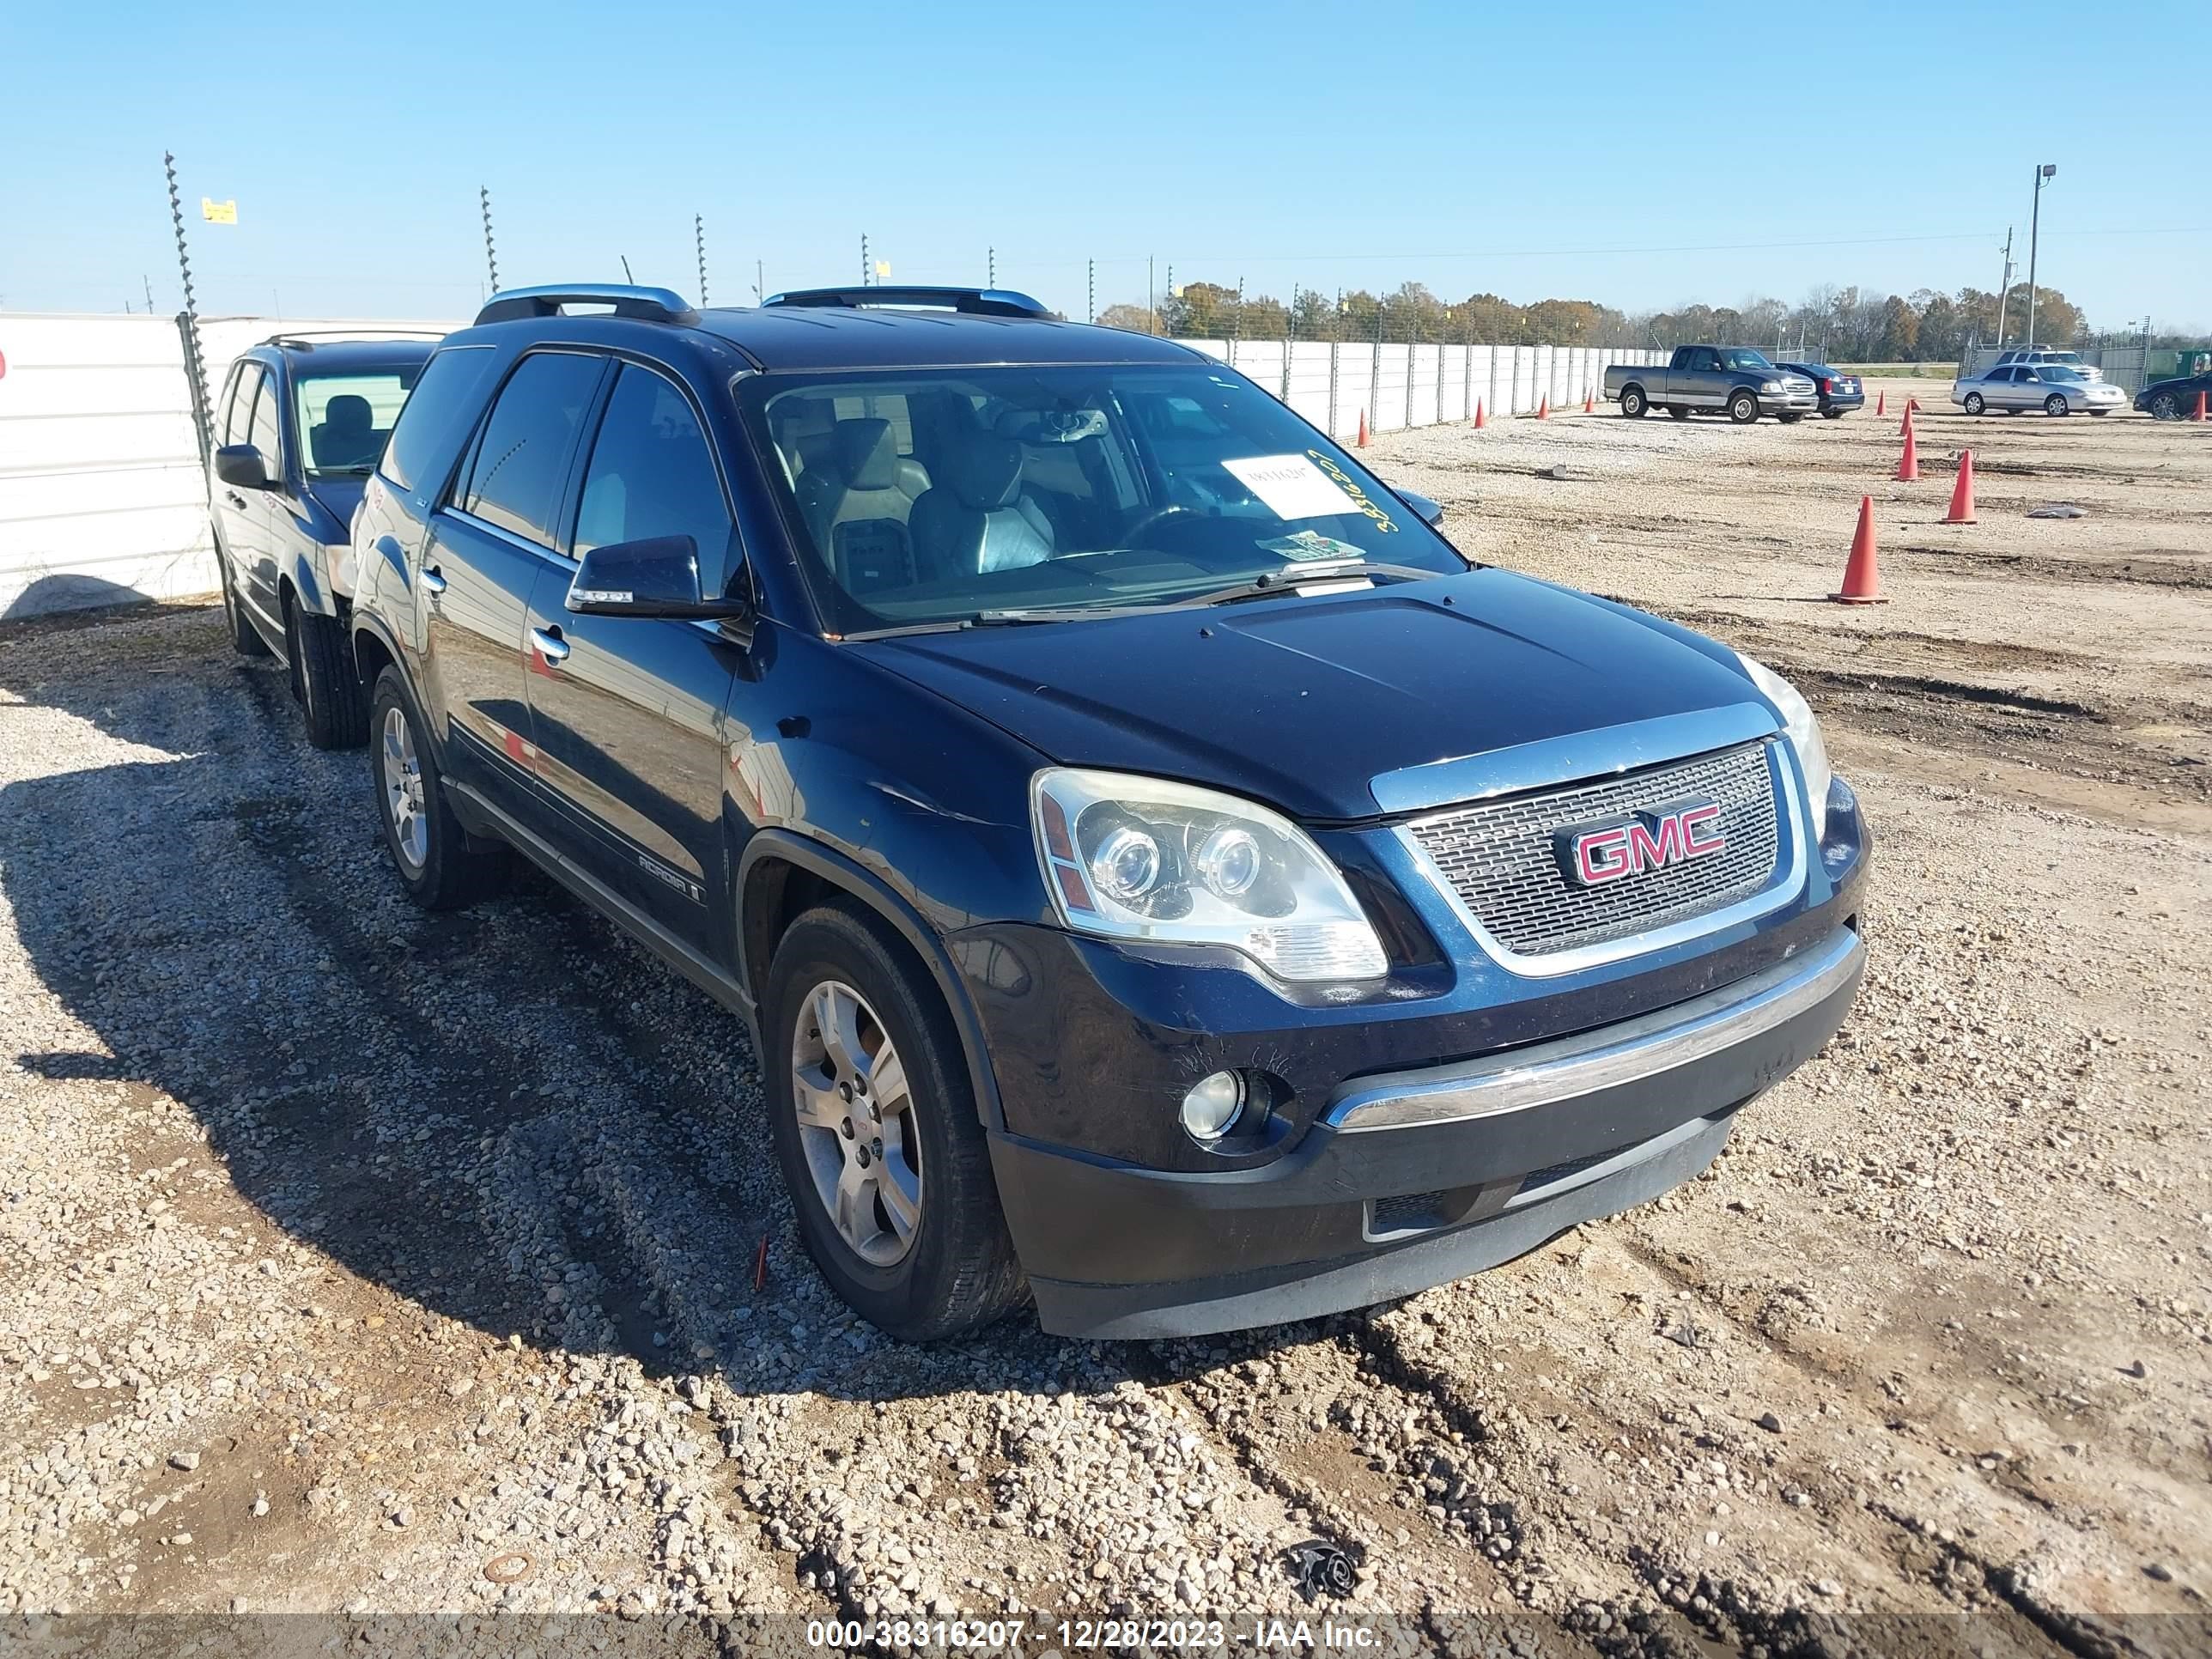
1592, 855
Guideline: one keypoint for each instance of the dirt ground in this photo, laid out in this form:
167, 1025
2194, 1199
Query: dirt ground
362, 1263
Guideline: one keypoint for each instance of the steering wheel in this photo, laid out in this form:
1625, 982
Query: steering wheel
1153, 516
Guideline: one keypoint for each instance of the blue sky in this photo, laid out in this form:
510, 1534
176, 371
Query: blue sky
1571, 151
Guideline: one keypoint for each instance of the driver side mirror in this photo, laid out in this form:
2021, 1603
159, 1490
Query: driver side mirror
1430, 513
657, 576
241, 465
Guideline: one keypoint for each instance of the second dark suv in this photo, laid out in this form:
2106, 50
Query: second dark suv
1160, 875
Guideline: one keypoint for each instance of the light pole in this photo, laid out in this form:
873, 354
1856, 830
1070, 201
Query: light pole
2049, 169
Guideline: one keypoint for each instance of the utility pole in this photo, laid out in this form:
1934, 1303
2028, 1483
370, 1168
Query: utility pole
2049, 169
699, 242
2004, 289
491, 257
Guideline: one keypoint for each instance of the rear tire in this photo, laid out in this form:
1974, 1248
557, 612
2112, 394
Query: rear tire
1789, 420
440, 868
245, 638
1743, 408
1832, 414
2167, 406
955, 1271
333, 706
1633, 402
1974, 403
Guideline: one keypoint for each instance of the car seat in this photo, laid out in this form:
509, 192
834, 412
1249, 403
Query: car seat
346, 436
978, 519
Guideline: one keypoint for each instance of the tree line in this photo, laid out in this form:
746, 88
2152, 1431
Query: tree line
1846, 324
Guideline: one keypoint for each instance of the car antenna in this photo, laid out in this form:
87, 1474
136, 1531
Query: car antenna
627, 278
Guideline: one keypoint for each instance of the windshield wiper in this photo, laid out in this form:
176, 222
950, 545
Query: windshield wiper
1291, 578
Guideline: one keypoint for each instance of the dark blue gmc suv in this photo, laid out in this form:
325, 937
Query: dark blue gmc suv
1161, 876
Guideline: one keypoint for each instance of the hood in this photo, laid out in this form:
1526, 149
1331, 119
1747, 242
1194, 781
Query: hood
1300, 701
340, 498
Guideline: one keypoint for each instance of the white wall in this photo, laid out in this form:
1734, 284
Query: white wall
102, 497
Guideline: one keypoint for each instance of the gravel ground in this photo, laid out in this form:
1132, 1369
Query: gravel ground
362, 1263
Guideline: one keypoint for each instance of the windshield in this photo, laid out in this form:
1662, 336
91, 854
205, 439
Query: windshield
2057, 371
1744, 358
944, 495
344, 419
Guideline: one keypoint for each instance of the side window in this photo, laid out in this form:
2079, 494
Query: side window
1704, 360
266, 430
653, 474
444, 393
238, 405
522, 458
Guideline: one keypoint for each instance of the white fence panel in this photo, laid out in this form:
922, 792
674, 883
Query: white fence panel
1309, 383
1354, 370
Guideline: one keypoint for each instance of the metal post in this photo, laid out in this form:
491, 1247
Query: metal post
2043, 171
991, 267
760, 281
1336, 346
1467, 374
491, 257
867, 270
1236, 326
1090, 291
699, 242
189, 319
148, 281
2004, 289
1151, 315
1375, 373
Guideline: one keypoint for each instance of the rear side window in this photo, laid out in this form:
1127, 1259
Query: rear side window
443, 395
266, 431
240, 404
652, 474
522, 458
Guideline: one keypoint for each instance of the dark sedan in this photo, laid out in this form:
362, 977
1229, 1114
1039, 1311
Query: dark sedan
2174, 400
1840, 394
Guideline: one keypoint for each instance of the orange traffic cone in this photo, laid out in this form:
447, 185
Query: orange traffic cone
1861, 578
1880, 404
1589, 403
1911, 404
2199, 415
1962, 493
1479, 422
1363, 429
1908, 464
1544, 408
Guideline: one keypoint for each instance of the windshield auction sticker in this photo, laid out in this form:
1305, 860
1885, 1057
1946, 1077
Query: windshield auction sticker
1292, 486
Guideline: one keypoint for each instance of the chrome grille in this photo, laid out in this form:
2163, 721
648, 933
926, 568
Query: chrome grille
1498, 857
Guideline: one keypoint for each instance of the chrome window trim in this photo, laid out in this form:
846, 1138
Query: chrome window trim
1575, 757
1546, 1074
1791, 815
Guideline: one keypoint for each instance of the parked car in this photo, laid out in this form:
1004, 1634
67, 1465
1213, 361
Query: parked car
2174, 400
299, 426
2038, 356
1155, 867
1732, 379
1839, 393
2053, 388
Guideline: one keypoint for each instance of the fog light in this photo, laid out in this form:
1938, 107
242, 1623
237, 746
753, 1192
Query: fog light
1212, 1104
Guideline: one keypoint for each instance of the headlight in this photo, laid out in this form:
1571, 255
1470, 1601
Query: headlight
1144, 858
1804, 734
1770, 386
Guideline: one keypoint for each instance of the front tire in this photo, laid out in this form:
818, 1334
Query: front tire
1789, 420
2056, 404
332, 704
875, 1129
1974, 403
439, 865
2167, 406
1743, 408
1632, 403
1832, 414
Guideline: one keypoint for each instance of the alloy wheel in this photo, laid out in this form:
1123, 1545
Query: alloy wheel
402, 790
857, 1124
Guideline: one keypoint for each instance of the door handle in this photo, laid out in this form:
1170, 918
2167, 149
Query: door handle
549, 644
235, 499
432, 581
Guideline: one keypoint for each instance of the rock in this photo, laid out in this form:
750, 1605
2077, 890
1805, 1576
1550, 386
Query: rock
189, 1461
1769, 1422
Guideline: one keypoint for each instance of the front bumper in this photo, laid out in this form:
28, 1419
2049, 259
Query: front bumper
1789, 402
1413, 1178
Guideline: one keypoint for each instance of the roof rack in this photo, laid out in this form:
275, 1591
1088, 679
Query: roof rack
646, 305
305, 338
975, 302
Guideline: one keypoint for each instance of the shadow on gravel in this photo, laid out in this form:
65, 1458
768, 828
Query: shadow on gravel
510, 1116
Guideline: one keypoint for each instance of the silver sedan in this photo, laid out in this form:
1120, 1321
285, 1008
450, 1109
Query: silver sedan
2052, 387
